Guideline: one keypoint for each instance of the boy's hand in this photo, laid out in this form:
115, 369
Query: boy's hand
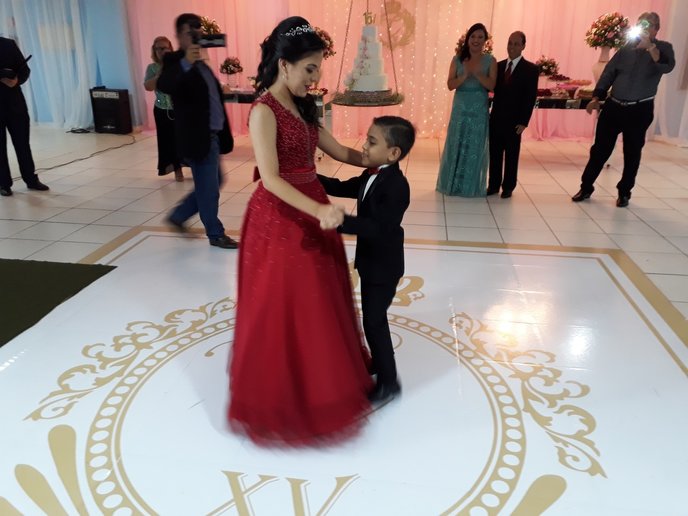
330, 216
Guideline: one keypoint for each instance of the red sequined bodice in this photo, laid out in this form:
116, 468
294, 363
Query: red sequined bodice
296, 142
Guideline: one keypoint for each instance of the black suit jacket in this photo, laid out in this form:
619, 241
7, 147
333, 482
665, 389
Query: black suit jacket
377, 226
513, 103
191, 101
12, 99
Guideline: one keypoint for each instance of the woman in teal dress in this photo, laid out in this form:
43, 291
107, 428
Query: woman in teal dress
463, 169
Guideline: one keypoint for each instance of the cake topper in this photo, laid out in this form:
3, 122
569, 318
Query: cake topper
369, 18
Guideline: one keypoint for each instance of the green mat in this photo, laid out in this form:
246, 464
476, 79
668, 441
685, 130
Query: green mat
29, 290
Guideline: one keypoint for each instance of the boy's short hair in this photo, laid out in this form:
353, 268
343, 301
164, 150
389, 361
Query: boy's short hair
398, 132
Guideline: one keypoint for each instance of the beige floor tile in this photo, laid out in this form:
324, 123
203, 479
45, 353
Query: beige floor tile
80, 216
20, 249
96, 234
674, 287
52, 231
661, 263
525, 236
597, 240
474, 234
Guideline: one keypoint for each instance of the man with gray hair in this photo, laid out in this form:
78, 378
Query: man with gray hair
633, 75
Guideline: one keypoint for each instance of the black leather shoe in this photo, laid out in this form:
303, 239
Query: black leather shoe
622, 201
581, 196
38, 186
224, 242
492, 191
505, 195
6, 192
383, 393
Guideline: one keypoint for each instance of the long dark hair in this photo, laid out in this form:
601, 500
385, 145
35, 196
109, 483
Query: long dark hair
290, 42
465, 53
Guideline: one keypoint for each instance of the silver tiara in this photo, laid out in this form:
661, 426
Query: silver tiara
298, 31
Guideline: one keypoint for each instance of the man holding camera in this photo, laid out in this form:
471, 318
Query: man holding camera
201, 126
14, 118
633, 75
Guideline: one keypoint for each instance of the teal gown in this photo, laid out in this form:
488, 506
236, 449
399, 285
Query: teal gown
463, 168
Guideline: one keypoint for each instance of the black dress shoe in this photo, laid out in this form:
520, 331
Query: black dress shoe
492, 191
224, 242
6, 192
382, 393
505, 195
622, 201
581, 196
38, 186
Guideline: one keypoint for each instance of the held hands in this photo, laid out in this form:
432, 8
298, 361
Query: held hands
330, 216
644, 43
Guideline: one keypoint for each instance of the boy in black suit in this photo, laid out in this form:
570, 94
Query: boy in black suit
383, 196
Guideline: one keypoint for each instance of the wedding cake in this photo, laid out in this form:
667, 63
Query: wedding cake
368, 73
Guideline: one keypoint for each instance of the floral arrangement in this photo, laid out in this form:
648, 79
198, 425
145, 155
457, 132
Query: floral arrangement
547, 66
487, 49
329, 42
558, 77
607, 31
209, 26
231, 65
317, 92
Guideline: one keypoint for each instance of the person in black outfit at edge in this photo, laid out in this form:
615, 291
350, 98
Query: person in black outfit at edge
14, 118
633, 75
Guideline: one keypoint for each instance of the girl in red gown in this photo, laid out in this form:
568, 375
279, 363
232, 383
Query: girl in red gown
298, 372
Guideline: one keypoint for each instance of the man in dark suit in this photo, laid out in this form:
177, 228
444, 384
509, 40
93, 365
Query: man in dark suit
14, 118
201, 127
383, 196
512, 106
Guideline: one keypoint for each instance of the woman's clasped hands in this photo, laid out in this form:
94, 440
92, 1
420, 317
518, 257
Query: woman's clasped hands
330, 216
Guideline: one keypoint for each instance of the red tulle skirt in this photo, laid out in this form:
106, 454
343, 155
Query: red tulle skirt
298, 368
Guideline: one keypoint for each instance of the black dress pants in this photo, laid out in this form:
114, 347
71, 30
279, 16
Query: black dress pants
630, 121
376, 298
17, 124
505, 148
167, 145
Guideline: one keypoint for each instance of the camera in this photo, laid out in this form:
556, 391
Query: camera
208, 40
637, 30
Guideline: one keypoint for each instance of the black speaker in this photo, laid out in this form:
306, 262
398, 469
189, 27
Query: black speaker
111, 111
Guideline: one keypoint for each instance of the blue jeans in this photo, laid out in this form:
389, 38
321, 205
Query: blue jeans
205, 198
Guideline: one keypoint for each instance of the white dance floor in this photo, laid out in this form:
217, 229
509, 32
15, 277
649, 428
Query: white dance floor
535, 379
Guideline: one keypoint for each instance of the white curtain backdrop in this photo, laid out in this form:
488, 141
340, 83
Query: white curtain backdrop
62, 66
671, 115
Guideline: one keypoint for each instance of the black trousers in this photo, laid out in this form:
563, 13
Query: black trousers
505, 148
376, 298
630, 121
17, 124
167, 146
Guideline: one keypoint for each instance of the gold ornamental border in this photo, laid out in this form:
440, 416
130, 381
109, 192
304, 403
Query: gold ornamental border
659, 302
113, 491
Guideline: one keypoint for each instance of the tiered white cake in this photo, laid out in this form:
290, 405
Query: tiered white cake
368, 73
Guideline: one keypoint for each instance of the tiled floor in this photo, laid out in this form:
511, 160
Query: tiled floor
519, 398
539, 375
95, 200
